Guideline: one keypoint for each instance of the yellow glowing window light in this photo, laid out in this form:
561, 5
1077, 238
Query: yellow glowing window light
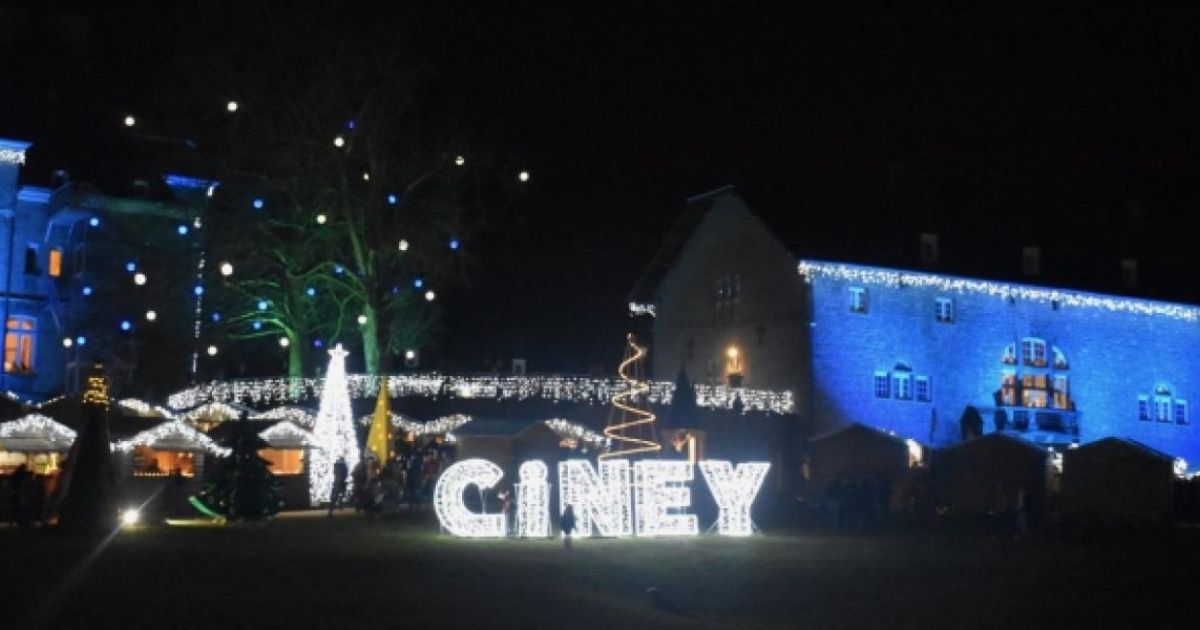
55, 262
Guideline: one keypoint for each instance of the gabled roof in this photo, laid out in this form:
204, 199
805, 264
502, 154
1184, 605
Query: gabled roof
997, 438
695, 211
35, 433
1125, 444
173, 435
856, 427
497, 427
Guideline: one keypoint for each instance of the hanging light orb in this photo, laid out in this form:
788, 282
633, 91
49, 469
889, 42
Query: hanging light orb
403, 245
321, 219
151, 316
130, 121
68, 342
460, 160
231, 106
523, 176
339, 142
212, 351
430, 296
227, 269
362, 320
139, 278
284, 342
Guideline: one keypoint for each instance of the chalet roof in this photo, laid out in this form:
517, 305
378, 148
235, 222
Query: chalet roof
35, 433
1121, 443
496, 427
855, 427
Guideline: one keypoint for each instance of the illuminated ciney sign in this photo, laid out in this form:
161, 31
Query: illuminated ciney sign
622, 498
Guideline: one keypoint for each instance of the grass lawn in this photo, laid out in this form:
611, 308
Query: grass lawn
352, 572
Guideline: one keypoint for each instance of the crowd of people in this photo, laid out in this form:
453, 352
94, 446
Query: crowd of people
407, 478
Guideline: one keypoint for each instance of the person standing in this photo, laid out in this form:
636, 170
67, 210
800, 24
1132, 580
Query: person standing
340, 472
567, 524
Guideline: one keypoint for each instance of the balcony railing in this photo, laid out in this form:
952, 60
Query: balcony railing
1038, 419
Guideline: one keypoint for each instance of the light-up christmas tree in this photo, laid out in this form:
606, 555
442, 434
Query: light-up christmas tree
630, 428
333, 431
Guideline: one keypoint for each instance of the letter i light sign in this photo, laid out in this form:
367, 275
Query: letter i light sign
645, 498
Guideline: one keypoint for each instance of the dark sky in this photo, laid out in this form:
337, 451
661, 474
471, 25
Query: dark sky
848, 130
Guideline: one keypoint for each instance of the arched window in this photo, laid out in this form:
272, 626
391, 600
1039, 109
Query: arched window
19, 336
1162, 403
1036, 380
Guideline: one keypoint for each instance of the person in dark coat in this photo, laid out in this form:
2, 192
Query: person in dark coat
17, 490
340, 473
567, 524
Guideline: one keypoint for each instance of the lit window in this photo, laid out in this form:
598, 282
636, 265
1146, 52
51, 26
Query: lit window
881, 385
284, 461
858, 300
1033, 352
1143, 408
1181, 416
1008, 387
55, 262
902, 382
1162, 404
924, 393
1010, 355
18, 345
945, 310
1062, 394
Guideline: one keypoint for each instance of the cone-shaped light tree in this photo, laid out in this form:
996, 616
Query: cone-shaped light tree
88, 500
333, 431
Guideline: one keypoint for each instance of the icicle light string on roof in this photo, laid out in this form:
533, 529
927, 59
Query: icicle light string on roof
174, 431
552, 388
37, 425
810, 270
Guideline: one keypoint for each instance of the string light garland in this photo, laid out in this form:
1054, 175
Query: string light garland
734, 490
45, 434
172, 435
567, 389
333, 430
636, 309
144, 409
810, 270
575, 431
212, 411
286, 435
533, 500
658, 493
452, 511
296, 415
630, 430
12, 156
599, 499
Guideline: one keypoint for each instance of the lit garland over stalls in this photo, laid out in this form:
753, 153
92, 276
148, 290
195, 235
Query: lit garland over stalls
172, 435
300, 417
553, 388
734, 490
333, 431
35, 428
144, 409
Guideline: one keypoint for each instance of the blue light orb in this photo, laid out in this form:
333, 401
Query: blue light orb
317, 343
125, 325
87, 290
454, 243
182, 229
310, 291
131, 266
418, 283
391, 200
257, 325
258, 204
199, 290
81, 340
262, 305
94, 221
216, 316
339, 269
350, 124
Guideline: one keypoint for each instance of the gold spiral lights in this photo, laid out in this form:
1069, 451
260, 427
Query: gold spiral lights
630, 430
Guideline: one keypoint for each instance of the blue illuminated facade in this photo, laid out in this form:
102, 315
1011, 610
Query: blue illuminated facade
909, 351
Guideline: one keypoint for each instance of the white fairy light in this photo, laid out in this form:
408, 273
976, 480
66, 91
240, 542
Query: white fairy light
362, 320
333, 431
212, 351
226, 269
366, 177
12, 156
403, 245
68, 342
430, 296
636, 308
523, 176
448, 502
1180, 467
659, 491
130, 121
459, 160
574, 431
139, 278
339, 141
285, 435
144, 409
734, 490
811, 270
602, 500
284, 342
151, 316
231, 106
173, 435
533, 500
321, 219
295, 415
215, 411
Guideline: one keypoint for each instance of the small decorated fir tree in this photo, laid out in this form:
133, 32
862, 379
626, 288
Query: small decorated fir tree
243, 487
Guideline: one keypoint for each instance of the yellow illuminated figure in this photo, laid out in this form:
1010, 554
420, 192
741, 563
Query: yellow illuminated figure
630, 430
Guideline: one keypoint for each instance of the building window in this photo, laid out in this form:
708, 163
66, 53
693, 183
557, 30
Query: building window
945, 309
31, 260
1031, 261
1162, 404
1143, 408
1061, 392
1010, 355
18, 345
858, 300
881, 385
924, 393
1008, 387
1033, 352
1181, 416
902, 384
728, 290
55, 262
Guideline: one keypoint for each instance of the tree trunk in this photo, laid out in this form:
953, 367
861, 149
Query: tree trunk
370, 339
295, 357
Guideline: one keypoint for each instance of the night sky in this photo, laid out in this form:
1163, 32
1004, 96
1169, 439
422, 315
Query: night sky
848, 130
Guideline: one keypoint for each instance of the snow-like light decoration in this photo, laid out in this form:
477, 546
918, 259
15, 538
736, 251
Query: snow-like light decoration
574, 431
144, 409
295, 415
810, 270
12, 156
566, 389
630, 430
659, 492
173, 435
916, 453
210, 412
333, 431
284, 434
1181, 467
599, 499
453, 512
35, 432
734, 490
533, 500
636, 309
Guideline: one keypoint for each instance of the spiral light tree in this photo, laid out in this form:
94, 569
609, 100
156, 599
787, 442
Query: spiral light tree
630, 430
